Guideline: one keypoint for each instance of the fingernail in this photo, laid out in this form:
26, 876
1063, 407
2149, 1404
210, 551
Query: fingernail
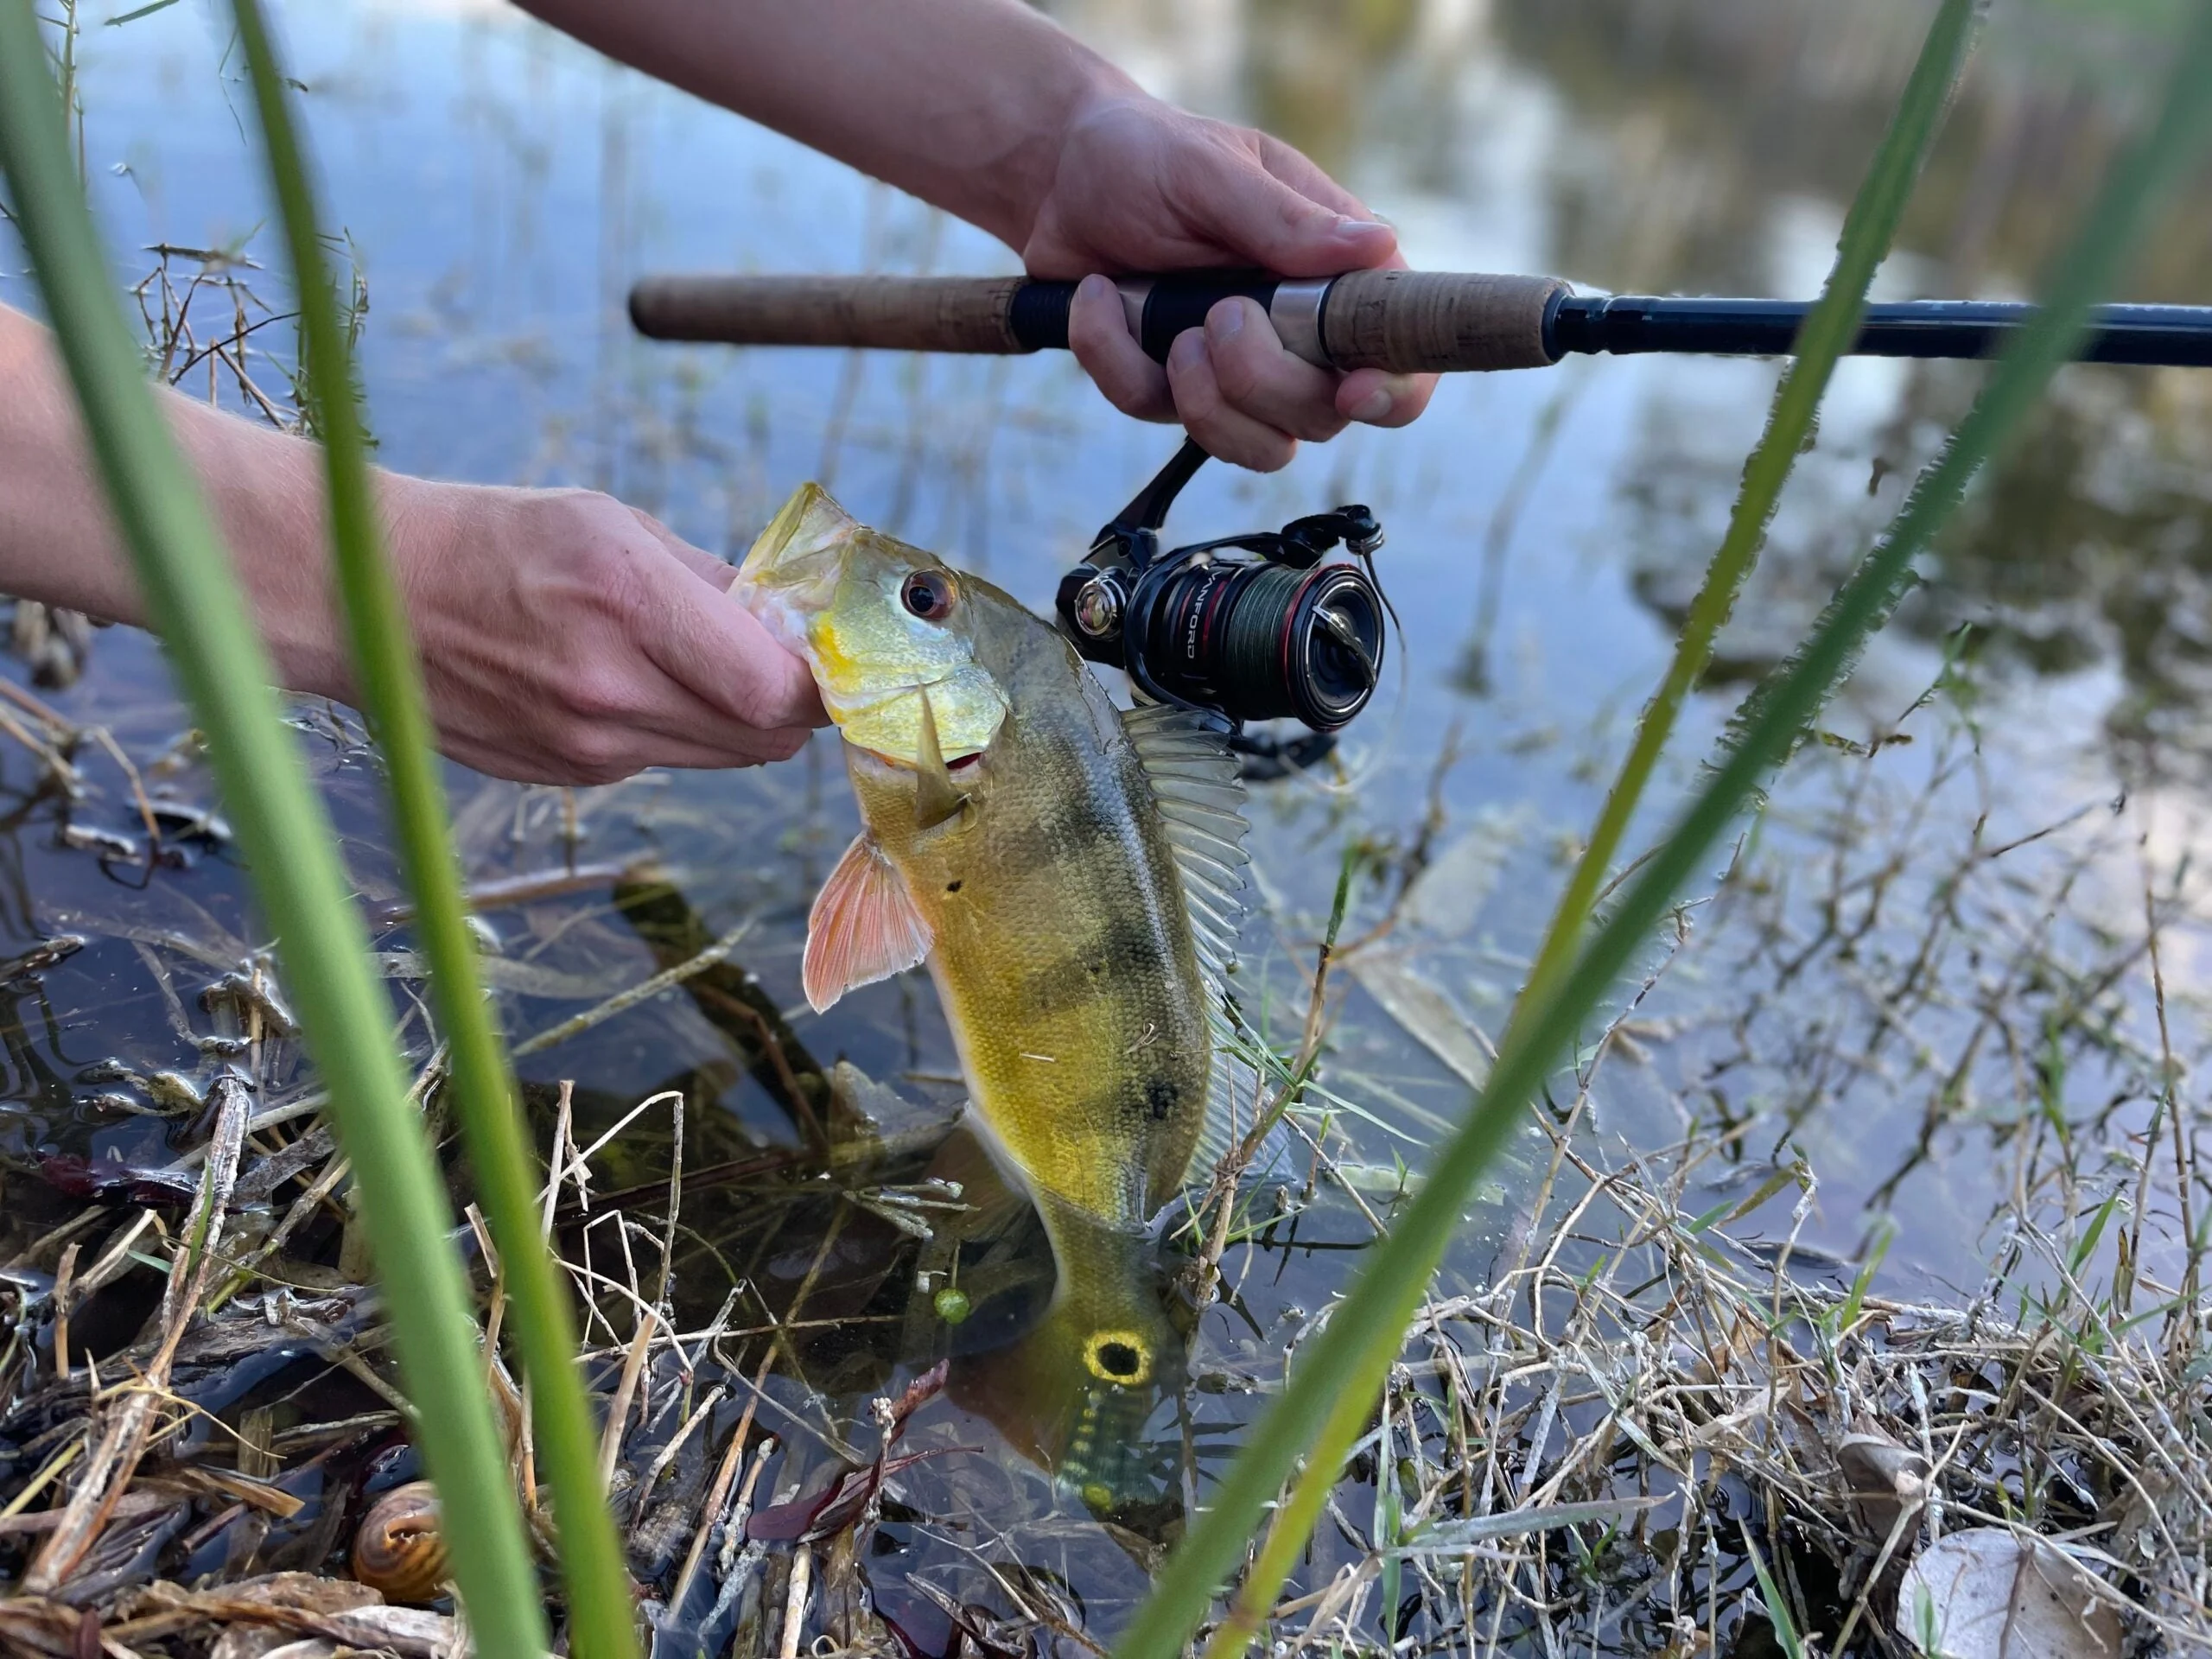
1373, 407
1226, 321
1189, 349
1095, 286
1360, 227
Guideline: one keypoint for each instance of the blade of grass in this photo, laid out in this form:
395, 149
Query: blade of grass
482, 1089
290, 849
1869, 228
1332, 1390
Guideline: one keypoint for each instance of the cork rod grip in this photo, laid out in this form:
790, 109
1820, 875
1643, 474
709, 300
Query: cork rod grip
1426, 321
905, 314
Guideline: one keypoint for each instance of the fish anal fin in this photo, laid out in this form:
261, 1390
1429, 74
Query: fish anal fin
863, 926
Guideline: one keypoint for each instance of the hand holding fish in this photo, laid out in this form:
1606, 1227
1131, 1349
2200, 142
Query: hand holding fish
568, 638
565, 638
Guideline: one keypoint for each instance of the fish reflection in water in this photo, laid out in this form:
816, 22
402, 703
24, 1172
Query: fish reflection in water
1070, 1354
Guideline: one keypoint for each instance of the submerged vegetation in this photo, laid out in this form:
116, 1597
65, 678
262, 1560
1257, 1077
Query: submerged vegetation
1632, 1407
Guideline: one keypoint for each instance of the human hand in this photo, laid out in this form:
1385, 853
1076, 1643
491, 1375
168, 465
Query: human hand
567, 639
1142, 185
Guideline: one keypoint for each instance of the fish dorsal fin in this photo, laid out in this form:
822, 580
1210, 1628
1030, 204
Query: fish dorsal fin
862, 928
1194, 777
1187, 758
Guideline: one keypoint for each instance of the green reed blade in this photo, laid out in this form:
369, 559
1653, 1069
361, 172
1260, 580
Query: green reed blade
290, 850
1869, 228
1330, 1393
603, 1624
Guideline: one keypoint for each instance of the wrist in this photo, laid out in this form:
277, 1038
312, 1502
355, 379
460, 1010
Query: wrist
299, 608
1089, 90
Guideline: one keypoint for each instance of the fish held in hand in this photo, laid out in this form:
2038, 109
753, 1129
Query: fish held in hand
1066, 869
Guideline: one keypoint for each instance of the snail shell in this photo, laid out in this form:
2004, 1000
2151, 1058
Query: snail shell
398, 1550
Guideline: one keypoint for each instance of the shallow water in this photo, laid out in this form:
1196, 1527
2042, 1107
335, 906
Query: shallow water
502, 187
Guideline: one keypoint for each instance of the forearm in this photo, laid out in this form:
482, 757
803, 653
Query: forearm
963, 103
59, 545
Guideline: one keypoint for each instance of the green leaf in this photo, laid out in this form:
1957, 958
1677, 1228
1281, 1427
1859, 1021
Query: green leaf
603, 1623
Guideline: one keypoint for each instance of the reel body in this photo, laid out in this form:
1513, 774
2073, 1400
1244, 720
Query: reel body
1256, 627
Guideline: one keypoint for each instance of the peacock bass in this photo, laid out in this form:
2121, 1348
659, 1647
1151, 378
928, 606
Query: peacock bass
1066, 868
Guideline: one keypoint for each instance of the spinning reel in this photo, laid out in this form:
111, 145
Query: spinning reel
1250, 628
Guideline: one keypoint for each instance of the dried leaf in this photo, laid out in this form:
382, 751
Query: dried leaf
1886, 1480
1423, 1012
846, 1499
1990, 1593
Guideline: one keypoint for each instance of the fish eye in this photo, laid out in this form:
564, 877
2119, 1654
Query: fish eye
928, 594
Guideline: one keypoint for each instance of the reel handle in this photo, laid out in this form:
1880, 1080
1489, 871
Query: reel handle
1405, 322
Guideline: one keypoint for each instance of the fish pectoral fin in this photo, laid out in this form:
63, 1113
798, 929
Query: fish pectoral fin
862, 928
936, 799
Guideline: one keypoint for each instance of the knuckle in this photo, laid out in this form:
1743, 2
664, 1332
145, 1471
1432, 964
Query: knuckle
594, 699
596, 755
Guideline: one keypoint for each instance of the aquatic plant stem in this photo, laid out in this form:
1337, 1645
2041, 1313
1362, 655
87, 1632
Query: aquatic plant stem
1869, 228
601, 1616
193, 595
1353, 1352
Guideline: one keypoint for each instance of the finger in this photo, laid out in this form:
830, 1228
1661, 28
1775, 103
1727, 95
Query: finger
600, 761
718, 652
1296, 169
1374, 399
1258, 216
718, 573
715, 649
1099, 336
1260, 377
1221, 431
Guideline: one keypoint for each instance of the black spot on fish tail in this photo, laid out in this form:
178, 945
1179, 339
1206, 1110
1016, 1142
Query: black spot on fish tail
952, 887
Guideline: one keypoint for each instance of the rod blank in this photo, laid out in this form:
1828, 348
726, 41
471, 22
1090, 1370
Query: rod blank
1400, 320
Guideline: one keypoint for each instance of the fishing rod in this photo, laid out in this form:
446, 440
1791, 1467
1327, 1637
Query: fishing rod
1404, 322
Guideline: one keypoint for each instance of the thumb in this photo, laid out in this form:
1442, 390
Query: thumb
1257, 217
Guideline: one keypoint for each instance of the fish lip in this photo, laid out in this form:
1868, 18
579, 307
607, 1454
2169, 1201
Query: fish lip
964, 767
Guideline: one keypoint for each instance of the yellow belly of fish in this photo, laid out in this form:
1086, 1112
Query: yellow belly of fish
1069, 978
